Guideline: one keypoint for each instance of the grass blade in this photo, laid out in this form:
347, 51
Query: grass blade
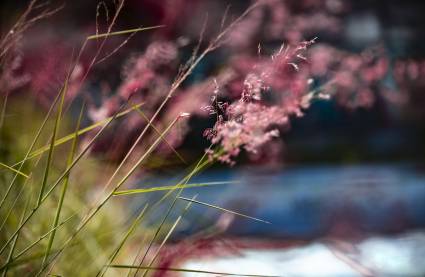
64, 187
51, 148
164, 188
224, 210
123, 32
14, 170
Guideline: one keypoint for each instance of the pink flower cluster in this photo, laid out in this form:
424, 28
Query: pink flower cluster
251, 121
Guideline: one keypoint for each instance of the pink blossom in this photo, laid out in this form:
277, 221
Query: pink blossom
249, 123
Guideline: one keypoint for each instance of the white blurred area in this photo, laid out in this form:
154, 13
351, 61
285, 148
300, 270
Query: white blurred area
401, 256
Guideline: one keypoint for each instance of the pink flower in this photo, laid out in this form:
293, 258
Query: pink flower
250, 122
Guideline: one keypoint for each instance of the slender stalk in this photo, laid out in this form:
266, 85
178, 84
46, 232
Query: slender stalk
14, 170
53, 138
64, 187
129, 31
224, 210
174, 187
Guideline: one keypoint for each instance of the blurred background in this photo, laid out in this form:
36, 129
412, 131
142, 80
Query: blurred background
344, 184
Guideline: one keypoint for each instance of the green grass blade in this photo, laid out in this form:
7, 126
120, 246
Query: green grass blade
51, 151
123, 32
224, 210
51, 148
165, 188
189, 270
64, 187
14, 170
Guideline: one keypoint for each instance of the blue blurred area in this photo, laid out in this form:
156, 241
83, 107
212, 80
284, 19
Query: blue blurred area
310, 202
